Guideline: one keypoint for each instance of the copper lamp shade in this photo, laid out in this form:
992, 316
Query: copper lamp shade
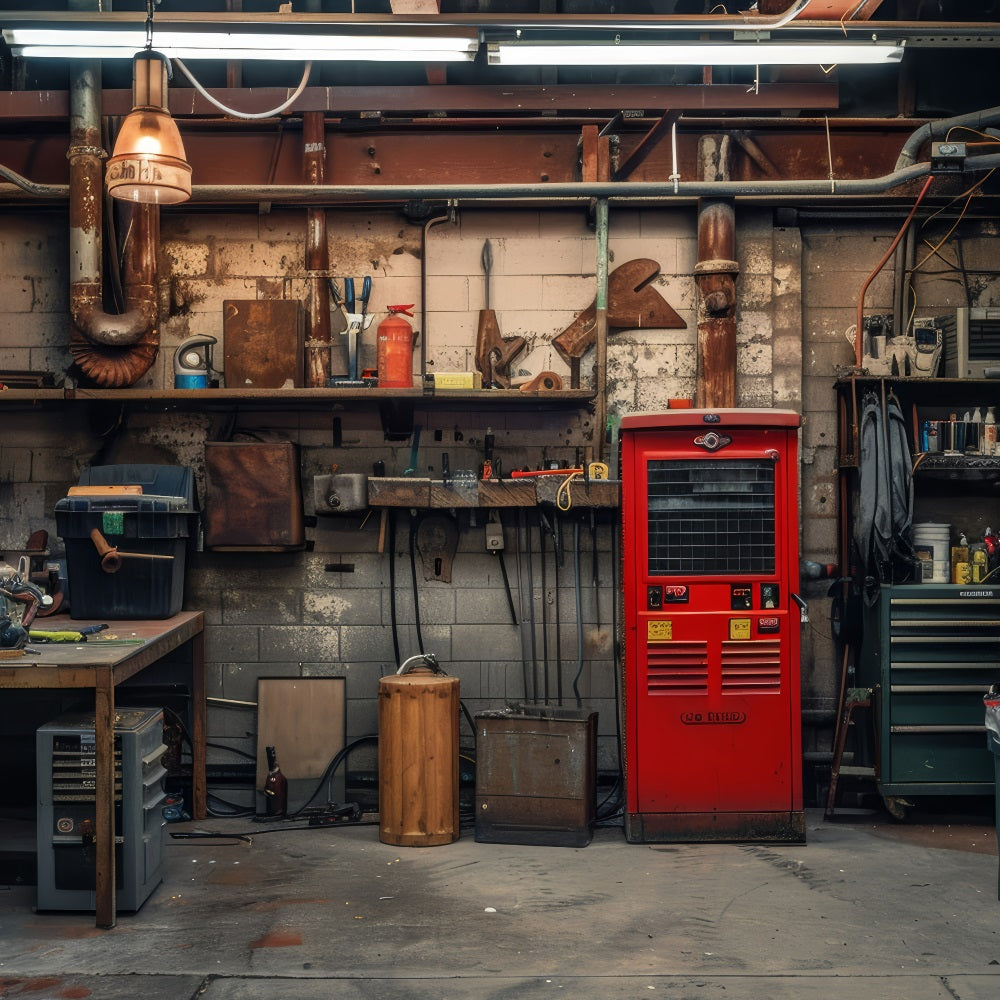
148, 164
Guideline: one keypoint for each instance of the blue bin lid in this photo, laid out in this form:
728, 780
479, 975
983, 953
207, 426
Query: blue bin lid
175, 483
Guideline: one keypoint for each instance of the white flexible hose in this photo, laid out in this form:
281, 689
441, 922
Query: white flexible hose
246, 115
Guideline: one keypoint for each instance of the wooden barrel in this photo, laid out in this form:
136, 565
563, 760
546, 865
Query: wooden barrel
418, 758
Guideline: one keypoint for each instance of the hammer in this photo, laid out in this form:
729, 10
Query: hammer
111, 558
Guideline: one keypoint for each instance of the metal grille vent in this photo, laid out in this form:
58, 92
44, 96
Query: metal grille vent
751, 667
711, 517
677, 668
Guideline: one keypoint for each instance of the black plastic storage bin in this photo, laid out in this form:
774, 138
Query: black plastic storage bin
156, 522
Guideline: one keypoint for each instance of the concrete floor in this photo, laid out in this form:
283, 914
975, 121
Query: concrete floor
864, 909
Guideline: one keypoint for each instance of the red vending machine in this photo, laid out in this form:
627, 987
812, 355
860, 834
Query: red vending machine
710, 569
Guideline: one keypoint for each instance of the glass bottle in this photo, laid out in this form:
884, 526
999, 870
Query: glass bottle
275, 787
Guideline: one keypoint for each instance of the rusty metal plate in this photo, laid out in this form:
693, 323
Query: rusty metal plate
263, 346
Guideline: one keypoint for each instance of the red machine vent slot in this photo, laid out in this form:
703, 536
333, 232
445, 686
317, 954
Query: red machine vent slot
751, 667
677, 668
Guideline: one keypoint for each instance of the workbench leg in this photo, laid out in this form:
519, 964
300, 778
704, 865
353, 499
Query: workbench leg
104, 796
199, 724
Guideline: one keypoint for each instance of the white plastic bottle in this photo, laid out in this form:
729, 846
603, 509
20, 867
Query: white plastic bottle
990, 432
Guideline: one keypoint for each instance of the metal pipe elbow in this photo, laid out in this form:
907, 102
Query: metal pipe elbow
114, 366
111, 330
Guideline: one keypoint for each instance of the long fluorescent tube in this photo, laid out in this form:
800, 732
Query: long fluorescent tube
709, 54
49, 43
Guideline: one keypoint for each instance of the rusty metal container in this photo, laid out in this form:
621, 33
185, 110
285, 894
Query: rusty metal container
536, 776
418, 710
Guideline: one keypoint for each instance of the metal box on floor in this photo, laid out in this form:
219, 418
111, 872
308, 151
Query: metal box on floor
535, 776
66, 809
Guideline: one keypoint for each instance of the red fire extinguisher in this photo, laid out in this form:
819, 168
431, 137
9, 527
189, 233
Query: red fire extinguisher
395, 349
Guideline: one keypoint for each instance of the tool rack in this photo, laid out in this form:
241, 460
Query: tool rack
917, 661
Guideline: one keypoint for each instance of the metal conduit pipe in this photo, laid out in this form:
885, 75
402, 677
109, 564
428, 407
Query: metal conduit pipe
449, 216
38, 190
649, 191
317, 254
936, 129
111, 350
628, 191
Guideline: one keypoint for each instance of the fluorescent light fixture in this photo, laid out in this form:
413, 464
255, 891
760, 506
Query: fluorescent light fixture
67, 43
691, 54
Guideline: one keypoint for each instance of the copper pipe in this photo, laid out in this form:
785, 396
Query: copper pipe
111, 350
858, 338
317, 360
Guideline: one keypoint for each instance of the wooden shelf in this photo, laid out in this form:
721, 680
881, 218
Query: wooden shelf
202, 398
407, 491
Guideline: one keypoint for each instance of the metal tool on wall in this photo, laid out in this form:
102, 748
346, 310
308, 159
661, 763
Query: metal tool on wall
632, 304
495, 545
356, 324
494, 353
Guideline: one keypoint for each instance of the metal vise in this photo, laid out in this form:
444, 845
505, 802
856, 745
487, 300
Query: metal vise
13, 634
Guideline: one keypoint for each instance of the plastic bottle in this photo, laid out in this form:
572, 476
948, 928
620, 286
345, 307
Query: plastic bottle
990, 432
977, 430
275, 787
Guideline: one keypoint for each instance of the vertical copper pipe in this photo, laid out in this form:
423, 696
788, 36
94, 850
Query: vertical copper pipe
110, 350
317, 360
715, 275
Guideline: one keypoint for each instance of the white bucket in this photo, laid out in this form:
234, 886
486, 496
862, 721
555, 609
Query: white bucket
934, 540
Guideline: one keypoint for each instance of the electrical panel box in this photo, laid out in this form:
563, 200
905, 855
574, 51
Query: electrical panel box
66, 782
710, 570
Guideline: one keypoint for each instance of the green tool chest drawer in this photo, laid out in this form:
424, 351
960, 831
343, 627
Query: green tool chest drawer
940, 652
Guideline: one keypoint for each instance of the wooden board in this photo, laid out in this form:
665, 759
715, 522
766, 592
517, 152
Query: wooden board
304, 719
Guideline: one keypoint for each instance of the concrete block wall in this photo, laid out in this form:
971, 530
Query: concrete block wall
293, 614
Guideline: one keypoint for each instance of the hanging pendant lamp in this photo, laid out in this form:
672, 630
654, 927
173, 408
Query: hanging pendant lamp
148, 164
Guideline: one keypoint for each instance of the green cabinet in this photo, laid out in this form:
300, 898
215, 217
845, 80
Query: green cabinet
939, 651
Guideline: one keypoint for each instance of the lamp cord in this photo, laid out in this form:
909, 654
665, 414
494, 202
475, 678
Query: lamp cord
246, 115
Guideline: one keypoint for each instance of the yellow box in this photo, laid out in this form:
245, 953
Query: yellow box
458, 380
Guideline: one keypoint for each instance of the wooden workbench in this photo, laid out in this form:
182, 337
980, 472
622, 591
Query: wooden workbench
102, 667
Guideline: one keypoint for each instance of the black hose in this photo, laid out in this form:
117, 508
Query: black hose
545, 614
413, 576
555, 545
331, 768
612, 804
529, 557
392, 588
579, 614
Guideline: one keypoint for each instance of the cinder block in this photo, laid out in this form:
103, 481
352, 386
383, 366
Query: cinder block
470, 642
187, 258
232, 643
262, 606
296, 643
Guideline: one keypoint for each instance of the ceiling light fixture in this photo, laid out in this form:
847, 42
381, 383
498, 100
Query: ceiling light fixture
618, 53
57, 43
148, 164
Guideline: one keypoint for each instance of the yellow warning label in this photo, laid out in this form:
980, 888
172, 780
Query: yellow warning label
739, 628
660, 630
